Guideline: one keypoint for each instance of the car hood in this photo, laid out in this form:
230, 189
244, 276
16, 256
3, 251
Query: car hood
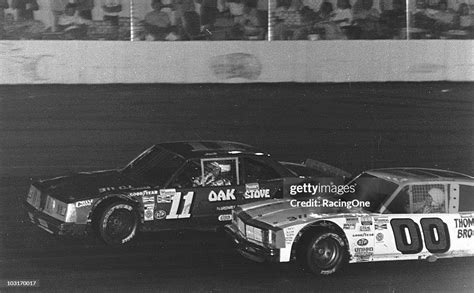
282, 213
85, 185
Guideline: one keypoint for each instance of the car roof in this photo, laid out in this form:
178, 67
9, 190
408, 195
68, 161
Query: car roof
414, 175
210, 148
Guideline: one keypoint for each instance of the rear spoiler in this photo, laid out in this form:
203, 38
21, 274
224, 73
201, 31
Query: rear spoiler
327, 169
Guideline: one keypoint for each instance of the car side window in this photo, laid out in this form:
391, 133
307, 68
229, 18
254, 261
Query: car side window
186, 176
400, 203
466, 198
218, 172
257, 170
428, 198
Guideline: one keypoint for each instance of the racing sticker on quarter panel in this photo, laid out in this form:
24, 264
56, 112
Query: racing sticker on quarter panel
289, 235
221, 195
365, 228
148, 199
165, 195
84, 203
349, 226
149, 212
251, 186
225, 208
366, 220
352, 220
379, 237
381, 223
160, 214
226, 217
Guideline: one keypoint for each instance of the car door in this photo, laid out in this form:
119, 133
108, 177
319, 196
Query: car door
262, 180
209, 189
416, 223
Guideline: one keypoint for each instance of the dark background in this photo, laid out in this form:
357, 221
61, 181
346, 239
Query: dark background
51, 130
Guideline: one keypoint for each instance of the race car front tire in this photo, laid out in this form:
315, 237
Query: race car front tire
118, 223
325, 253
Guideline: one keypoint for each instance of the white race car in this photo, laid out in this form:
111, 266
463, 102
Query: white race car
384, 215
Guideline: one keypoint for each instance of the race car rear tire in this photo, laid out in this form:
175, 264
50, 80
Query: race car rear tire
118, 223
325, 253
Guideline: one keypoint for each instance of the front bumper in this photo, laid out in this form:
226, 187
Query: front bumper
251, 250
54, 226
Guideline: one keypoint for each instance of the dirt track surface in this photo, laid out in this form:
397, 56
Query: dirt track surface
54, 130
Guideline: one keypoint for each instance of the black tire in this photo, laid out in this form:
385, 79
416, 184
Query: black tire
325, 253
118, 223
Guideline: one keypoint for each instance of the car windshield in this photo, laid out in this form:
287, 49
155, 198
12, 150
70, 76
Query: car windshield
154, 166
372, 189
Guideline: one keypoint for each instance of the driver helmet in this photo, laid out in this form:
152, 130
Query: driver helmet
438, 196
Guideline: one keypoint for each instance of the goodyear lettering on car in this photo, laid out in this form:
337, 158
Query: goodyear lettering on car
222, 195
143, 193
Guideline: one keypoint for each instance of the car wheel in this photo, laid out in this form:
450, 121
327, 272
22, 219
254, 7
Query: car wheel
118, 223
326, 253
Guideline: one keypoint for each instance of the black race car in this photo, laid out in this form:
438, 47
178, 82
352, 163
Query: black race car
170, 186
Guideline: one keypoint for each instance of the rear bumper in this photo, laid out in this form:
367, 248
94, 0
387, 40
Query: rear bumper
53, 225
251, 250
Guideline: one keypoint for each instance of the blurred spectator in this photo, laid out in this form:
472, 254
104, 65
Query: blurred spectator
465, 20
343, 13
286, 16
25, 9
112, 9
322, 26
157, 23
208, 13
84, 7
366, 18
248, 26
182, 7
23, 29
3, 5
72, 24
57, 8
392, 21
437, 20
236, 9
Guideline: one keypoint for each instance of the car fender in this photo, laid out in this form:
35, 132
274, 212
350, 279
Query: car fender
106, 199
297, 234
